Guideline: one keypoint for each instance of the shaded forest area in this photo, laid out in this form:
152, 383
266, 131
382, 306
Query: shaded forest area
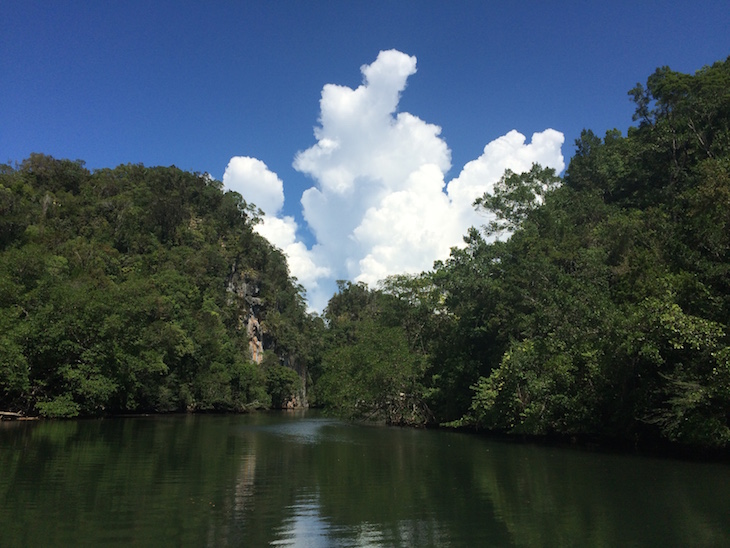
601, 309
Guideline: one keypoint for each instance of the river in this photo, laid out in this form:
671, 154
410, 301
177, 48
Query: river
302, 479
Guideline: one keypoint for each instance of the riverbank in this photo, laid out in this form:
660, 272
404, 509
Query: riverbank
606, 445
585, 442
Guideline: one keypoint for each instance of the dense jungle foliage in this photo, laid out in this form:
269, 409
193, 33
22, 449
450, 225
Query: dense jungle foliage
596, 304
130, 289
601, 309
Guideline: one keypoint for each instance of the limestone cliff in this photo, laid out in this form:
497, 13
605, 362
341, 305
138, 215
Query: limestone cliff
244, 291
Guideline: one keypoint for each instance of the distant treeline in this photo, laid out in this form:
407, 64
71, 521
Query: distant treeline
601, 309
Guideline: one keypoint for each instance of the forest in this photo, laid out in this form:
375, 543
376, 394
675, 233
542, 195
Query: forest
596, 304
139, 290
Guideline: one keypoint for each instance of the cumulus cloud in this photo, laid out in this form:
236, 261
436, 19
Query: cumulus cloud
507, 152
253, 180
380, 204
258, 185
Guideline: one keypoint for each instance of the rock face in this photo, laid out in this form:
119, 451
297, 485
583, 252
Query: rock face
244, 294
255, 337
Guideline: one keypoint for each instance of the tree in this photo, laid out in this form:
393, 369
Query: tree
368, 368
515, 196
374, 377
283, 384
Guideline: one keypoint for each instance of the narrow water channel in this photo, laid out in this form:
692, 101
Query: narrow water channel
301, 479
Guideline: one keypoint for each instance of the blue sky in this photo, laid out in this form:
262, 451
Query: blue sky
196, 84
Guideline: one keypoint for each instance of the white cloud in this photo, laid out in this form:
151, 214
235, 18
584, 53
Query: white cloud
380, 205
253, 180
258, 185
507, 152
408, 229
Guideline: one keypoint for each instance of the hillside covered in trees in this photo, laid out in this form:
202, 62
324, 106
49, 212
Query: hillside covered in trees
140, 289
596, 304
603, 308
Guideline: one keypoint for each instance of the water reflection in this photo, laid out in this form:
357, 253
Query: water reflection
288, 479
245, 479
306, 432
307, 526
304, 527
559, 497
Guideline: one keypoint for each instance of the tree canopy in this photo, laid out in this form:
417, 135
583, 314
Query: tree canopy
604, 312
127, 289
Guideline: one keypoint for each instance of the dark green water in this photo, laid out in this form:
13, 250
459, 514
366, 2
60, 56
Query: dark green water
289, 479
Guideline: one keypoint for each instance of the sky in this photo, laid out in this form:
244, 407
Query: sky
363, 129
